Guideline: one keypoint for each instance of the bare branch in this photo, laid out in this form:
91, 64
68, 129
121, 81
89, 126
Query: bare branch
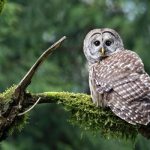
26, 80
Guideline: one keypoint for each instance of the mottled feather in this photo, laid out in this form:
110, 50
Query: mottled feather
123, 85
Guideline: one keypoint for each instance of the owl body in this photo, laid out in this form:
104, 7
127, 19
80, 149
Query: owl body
118, 80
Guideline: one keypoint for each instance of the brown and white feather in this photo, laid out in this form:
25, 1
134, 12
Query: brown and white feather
124, 86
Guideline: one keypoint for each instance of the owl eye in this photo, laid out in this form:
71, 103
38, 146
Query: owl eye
97, 43
108, 42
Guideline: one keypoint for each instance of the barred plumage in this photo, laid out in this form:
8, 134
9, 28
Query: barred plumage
117, 78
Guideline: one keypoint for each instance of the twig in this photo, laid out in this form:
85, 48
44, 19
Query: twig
20, 114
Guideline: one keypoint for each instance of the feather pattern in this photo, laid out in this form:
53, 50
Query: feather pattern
124, 86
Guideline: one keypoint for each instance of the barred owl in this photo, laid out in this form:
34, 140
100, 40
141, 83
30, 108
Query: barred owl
117, 78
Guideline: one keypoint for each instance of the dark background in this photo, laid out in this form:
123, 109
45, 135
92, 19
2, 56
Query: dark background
27, 27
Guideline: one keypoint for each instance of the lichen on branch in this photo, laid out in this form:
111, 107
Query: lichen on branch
82, 113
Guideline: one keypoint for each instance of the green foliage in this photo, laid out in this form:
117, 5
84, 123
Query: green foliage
2, 2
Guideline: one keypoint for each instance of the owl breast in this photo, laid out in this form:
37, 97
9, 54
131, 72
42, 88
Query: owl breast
97, 97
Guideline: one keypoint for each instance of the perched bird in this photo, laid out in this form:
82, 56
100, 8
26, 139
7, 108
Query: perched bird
117, 78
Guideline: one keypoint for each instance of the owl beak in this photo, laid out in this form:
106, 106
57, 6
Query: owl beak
102, 51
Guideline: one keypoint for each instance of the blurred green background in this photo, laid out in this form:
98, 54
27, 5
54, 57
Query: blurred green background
28, 27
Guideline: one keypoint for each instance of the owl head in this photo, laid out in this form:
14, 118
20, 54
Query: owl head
101, 43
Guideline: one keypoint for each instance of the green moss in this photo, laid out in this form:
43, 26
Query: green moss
88, 116
5, 99
2, 2
18, 124
6, 96
83, 112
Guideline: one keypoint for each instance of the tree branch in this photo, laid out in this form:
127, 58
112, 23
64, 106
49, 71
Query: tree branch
26, 80
84, 113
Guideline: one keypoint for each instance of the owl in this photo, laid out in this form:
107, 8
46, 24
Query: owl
117, 78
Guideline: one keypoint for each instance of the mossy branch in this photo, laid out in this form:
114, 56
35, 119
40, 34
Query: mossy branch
82, 112
89, 117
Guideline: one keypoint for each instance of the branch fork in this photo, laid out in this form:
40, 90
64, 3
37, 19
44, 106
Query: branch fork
16, 107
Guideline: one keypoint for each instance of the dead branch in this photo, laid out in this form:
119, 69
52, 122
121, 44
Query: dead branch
26, 80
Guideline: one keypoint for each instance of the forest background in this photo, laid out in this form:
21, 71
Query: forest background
28, 27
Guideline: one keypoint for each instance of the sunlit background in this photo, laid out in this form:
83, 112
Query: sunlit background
28, 27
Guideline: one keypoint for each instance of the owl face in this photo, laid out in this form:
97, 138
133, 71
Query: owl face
101, 43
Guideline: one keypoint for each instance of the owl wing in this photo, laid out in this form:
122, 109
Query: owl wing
123, 80
131, 102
